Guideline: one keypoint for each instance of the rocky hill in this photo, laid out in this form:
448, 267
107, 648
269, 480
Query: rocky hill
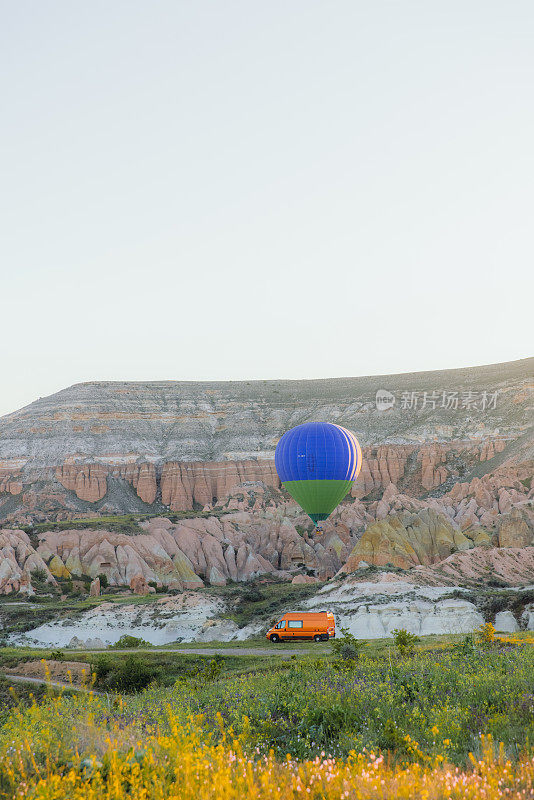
153, 447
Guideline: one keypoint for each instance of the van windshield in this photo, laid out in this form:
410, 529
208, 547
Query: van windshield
280, 624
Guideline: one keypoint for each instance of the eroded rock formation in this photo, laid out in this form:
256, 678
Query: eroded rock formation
180, 486
18, 560
183, 485
406, 539
88, 482
481, 565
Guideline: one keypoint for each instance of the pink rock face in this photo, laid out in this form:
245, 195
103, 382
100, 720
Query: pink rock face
10, 486
10, 480
18, 560
303, 579
256, 529
512, 565
505, 501
516, 529
388, 464
138, 585
146, 483
183, 484
89, 482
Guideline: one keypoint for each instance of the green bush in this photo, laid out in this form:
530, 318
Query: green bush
210, 670
129, 674
39, 576
346, 648
497, 583
405, 642
57, 655
466, 647
104, 583
252, 595
127, 641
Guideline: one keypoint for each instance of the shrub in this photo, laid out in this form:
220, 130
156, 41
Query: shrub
210, 670
346, 649
253, 595
325, 722
104, 583
130, 674
486, 634
405, 642
497, 583
466, 647
39, 576
521, 599
127, 641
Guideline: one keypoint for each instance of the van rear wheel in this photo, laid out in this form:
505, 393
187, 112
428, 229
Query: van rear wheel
317, 637
275, 638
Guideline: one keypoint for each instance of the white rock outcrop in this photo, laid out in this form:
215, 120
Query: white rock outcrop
374, 610
505, 622
419, 617
172, 619
527, 618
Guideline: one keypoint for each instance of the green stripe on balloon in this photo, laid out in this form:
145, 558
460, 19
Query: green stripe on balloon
318, 498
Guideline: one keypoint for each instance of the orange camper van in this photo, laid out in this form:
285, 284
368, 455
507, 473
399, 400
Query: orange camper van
299, 625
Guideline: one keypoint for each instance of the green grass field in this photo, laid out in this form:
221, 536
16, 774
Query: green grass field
436, 714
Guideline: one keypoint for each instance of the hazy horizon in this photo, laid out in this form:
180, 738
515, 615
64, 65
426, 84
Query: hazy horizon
243, 191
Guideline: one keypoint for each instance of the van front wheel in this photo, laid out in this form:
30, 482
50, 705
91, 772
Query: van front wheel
317, 638
275, 638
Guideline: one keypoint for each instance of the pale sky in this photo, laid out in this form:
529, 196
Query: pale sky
196, 190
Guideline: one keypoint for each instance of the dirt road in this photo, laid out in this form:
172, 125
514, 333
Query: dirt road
217, 651
55, 684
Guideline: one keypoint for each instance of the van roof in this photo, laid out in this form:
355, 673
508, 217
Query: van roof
305, 613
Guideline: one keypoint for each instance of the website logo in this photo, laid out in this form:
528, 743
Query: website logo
384, 400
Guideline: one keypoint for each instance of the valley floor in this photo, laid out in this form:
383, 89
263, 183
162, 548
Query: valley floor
452, 719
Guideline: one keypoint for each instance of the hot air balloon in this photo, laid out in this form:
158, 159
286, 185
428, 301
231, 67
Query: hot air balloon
317, 463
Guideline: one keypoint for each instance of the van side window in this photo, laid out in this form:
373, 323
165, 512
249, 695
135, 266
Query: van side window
295, 623
280, 624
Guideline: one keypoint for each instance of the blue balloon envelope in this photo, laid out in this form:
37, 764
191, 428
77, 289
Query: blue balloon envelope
317, 463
